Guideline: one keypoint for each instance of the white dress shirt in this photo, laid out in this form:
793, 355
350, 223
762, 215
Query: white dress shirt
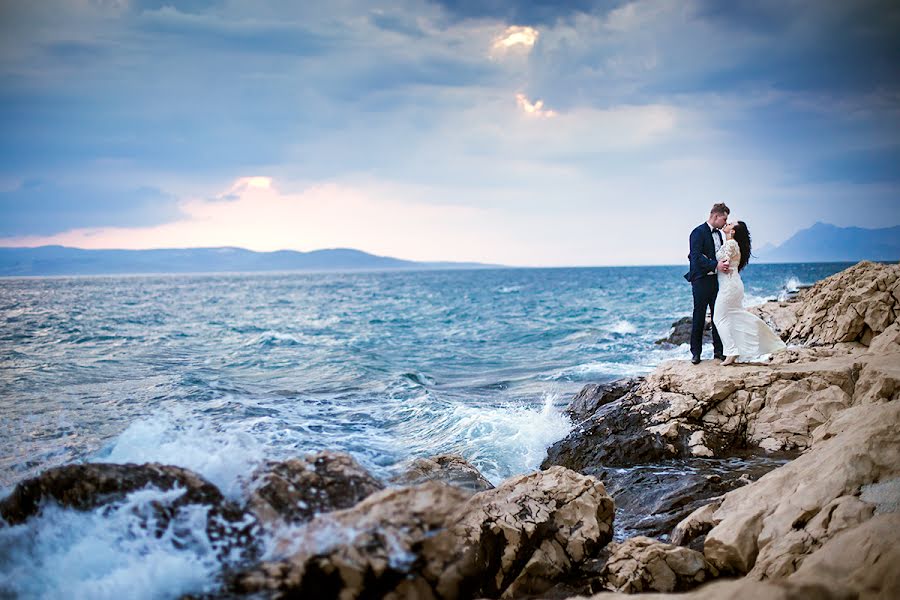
717, 240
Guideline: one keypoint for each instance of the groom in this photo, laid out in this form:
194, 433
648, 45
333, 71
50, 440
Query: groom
706, 239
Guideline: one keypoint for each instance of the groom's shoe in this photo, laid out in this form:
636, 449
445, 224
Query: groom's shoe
719, 357
695, 360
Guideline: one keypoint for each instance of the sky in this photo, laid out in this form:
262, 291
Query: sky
531, 133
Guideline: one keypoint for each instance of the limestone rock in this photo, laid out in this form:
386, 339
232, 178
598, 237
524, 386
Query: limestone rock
853, 305
864, 558
643, 564
436, 541
748, 589
449, 468
92, 485
801, 505
293, 491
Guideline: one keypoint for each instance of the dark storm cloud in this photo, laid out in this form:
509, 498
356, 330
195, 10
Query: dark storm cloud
534, 12
44, 208
814, 45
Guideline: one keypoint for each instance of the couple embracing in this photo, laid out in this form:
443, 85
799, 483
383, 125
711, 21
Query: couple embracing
719, 252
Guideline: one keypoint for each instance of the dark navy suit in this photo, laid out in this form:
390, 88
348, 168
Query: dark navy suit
705, 286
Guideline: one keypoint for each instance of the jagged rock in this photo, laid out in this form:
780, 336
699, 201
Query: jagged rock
451, 469
643, 564
593, 396
92, 485
681, 332
766, 528
295, 490
856, 304
436, 541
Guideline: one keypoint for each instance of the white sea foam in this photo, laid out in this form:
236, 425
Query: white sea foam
500, 440
751, 300
110, 552
623, 327
220, 454
792, 284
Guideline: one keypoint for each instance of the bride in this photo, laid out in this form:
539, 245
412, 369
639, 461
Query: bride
743, 334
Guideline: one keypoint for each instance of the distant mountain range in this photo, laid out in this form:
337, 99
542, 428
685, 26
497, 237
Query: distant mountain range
828, 243
60, 260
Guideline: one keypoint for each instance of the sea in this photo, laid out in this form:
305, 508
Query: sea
222, 372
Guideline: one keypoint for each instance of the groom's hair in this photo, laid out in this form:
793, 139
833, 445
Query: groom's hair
720, 209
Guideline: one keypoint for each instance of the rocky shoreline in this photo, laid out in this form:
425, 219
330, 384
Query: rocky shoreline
776, 480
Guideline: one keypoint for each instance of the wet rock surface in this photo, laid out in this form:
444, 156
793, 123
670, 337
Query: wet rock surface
89, 486
451, 469
593, 396
652, 499
295, 490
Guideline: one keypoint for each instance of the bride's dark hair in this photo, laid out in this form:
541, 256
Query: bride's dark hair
742, 237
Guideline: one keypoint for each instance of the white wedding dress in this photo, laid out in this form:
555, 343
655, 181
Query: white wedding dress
743, 334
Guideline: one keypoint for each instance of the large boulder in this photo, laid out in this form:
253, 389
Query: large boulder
295, 490
769, 526
746, 589
451, 469
436, 541
92, 485
643, 564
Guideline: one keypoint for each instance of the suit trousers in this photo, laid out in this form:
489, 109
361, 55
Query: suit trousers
705, 291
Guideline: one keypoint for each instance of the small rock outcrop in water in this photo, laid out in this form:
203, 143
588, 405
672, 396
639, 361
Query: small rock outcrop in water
89, 486
451, 469
436, 541
295, 490
681, 332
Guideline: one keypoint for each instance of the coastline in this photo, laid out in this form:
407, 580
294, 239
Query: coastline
828, 403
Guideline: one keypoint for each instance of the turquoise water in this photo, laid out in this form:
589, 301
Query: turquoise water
220, 372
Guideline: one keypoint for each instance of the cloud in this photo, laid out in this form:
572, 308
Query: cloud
46, 207
653, 102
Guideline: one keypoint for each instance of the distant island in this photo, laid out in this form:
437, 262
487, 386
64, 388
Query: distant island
60, 260
828, 243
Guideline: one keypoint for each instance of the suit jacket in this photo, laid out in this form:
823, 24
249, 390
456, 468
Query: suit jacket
703, 253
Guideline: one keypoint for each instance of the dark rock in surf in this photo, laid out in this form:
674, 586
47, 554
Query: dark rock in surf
681, 333
89, 486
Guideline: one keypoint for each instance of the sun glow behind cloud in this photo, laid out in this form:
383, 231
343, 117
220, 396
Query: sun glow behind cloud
535, 109
516, 36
